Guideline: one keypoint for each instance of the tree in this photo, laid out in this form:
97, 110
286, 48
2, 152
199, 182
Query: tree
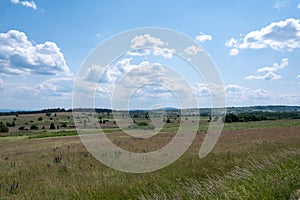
34, 127
3, 128
231, 118
52, 126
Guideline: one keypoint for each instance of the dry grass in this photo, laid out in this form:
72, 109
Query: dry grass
245, 164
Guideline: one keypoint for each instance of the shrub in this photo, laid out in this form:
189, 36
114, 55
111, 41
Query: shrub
40, 119
64, 125
34, 127
142, 125
52, 126
3, 128
21, 128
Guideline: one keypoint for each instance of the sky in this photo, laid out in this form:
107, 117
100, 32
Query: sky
255, 46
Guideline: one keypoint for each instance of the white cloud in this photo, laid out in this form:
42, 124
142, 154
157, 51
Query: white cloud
30, 4
298, 77
275, 67
277, 36
204, 37
55, 87
269, 71
267, 76
282, 4
235, 94
147, 82
139, 52
231, 43
193, 50
234, 52
146, 40
15, 1
55, 90
94, 73
18, 55
145, 44
298, 6
165, 52
290, 99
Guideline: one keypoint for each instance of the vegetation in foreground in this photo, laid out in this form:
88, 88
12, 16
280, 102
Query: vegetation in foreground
261, 163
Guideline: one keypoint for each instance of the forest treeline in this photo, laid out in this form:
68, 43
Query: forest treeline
259, 116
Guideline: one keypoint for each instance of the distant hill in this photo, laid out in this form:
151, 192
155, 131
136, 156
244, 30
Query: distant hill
252, 109
203, 111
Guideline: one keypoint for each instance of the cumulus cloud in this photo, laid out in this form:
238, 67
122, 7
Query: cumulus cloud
235, 94
193, 50
231, 43
30, 4
290, 99
269, 71
19, 56
280, 35
146, 40
145, 44
298, 77
204, 37
275, 67
55, 87
234, 52
267, 76
298, 6
165, 52
145, 81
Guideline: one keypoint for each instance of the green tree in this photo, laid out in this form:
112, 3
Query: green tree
3, 128
52, 126
34, 127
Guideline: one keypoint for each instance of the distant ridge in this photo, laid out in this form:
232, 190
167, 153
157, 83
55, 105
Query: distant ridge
234, 110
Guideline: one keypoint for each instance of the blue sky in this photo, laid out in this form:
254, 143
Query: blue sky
254, 44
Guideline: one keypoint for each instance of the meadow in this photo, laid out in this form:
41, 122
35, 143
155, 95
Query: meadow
252, 160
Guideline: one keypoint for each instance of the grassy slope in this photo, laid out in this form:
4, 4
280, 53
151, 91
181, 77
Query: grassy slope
260, 163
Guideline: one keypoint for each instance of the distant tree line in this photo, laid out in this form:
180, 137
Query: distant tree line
259, 116
50, 110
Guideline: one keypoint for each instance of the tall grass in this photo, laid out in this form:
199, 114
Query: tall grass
274, 178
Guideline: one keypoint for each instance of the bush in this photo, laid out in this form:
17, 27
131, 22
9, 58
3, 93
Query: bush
52, 126
64, 125
142, 125
40, 119
3, 128
21, 128
34, 127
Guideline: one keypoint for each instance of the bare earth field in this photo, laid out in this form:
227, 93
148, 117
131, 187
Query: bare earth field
258, 160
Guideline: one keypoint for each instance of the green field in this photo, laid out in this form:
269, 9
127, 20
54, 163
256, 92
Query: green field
252, 160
